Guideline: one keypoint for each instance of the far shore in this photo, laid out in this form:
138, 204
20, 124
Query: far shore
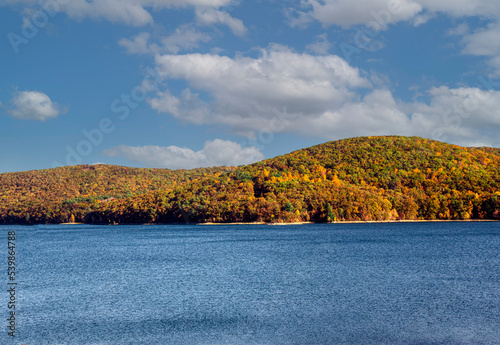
303, 223
357, 222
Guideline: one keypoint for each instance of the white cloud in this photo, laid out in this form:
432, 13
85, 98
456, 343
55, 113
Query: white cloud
244, 91
321, 45
422, 19
379, 14
485, 42
376, 114
188, 107
208, 16
215, 153
184, 38
322, 96
463, 8
139, 44
347, 13
34, 105
113, 10
130, 12
297, 18
462, 115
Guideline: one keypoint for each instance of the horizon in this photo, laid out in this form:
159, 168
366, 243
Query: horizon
183, 85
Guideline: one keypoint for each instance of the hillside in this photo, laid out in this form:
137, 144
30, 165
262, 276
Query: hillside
53, 195
366, 178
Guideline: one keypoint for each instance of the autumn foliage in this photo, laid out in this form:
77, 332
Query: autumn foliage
366, 178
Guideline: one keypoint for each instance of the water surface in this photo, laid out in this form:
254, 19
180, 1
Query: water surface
403, 283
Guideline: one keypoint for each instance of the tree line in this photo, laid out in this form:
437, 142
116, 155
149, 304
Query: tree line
358, 179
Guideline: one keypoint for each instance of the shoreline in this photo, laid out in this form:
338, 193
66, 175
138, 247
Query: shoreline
358, 222
288, 223
257, 223
417, 221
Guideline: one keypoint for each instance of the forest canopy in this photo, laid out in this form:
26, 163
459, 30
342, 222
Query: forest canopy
358, 179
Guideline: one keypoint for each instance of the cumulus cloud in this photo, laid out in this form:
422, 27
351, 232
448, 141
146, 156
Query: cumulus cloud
347, 13
210, 16
324, 97
184, 38
243, 92
188, 107
376, 114
215, 153
484, 41
481, 42
34, 105
379, 14
464, 116
130, 12
460, 115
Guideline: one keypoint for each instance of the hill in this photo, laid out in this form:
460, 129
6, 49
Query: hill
53, 195
366, 178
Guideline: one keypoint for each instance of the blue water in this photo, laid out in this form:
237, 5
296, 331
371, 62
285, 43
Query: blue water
404, 283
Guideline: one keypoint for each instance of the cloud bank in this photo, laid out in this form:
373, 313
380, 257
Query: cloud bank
347, 13
379, 14
215, 153
323, 95
245, 92
129, 12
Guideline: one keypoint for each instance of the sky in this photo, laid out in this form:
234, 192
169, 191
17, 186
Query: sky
181, 84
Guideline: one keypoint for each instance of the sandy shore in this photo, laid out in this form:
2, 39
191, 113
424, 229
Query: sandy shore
358, 222
302, 223
255, 223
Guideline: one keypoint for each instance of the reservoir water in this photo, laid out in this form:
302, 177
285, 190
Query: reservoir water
390, 283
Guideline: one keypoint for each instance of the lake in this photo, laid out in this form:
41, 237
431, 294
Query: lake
388, 283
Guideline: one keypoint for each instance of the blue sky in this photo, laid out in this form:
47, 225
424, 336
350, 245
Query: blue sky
183, 84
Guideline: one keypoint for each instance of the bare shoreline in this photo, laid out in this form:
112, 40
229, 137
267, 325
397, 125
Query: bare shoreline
304, 223
357, 222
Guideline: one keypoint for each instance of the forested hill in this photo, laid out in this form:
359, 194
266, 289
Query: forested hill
53, 195
366, 178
